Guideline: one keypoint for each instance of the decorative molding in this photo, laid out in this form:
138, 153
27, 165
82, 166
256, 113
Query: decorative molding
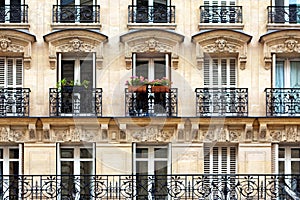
151, 134
262, 132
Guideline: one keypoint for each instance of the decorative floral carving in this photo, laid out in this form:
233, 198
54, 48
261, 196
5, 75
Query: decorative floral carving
234, 136
151, 45
220, 45
276, 135
76, 45
151, 134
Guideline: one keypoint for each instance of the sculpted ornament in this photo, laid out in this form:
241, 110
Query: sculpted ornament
76, 45
220, 45
290, 45
151, 45
276, 135
151, 134
7, 46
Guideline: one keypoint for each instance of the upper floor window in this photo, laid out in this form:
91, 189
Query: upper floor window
220, 11
287, 73
284, 11
13, 11
11, 72
72, 11
151, 11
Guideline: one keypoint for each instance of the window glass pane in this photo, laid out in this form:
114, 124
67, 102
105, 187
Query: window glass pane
86, 2
67, 153
67, 70
86, 71
1, 169
160, 168
67, 167
142, 153
67, 2
295, 153
14, 153
159, 69
281, 167
160, 153
1, 153
295, 74
281, 152
142, 69
86, 167
141, 167
86, 153
295, 167
14, 167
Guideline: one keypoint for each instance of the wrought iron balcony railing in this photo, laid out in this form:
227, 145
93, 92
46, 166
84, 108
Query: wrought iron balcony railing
148, 14
222, 101
75, 101
284, 14
221, 14
282, 101
151, 103
14, 102
14, 13
124, 187
76, 13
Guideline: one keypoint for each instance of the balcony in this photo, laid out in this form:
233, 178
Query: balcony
221, 14
76, 14
151, 103
14, 102
14, 14
221, 102
75, 101
198, 186
282, 102
151, 14
284, 14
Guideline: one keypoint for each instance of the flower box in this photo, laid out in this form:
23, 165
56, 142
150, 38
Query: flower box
160, 88
139, 89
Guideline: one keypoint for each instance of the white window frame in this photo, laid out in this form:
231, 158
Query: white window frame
210, 72
6, 162
14, 72
287, 158
151, 65
287, 70
77, 59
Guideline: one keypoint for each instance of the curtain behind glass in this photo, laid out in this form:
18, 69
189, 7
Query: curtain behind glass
279, 74
295, 74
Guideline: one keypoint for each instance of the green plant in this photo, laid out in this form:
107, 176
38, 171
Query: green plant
164, 81
63, 82
136, 81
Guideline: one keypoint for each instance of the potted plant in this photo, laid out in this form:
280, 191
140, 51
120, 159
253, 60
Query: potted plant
137, 84
160, 85
66, 85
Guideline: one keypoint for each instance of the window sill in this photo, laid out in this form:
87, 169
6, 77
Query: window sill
237, 26
282, 26
96, 26
170, 26
24, 26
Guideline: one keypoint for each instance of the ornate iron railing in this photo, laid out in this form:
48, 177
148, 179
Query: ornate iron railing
221, 14
282, 101
14, 13
283, 14
124, 187
14, 102
146, 14
221, 101
78, 101
76, 13
149, 103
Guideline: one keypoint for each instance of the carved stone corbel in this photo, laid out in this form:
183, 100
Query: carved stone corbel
243, 60
99, 62
32, 132
200, 61
52, 61
27, 61
123, 134
104, 132
175, 60
46, 132
180, 132
268, 62
248, 133
262, 132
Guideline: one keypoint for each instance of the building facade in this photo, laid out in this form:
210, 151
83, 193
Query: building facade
225, 124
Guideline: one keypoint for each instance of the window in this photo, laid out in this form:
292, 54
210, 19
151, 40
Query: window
287, 73
151, 167
220, 11
220, 72
151, 11
11, 72
10, 164
76, 165
11, 10
289, 163
76, 70
77, 11
286, 11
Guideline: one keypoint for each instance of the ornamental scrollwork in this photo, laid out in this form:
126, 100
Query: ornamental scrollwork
151, 134
76, 45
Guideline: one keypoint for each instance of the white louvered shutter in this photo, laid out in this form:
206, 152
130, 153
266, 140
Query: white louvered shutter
10, 72
19, 73
2, 72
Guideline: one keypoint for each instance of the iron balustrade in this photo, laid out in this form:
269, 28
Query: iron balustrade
284, 14
221, 101
148, 103
221, 14
124, 187
76, 13
75, 101
14, 102
14, 13
282, 101
155, 14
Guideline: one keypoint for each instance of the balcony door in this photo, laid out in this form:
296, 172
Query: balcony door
218, 11
151, 11
287, 11
151, 167
77, 11
10, 11
76, 165
287, 73
77, 69
10, 169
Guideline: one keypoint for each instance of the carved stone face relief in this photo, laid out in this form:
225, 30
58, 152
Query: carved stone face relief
221, 44
4, 43
290, 44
